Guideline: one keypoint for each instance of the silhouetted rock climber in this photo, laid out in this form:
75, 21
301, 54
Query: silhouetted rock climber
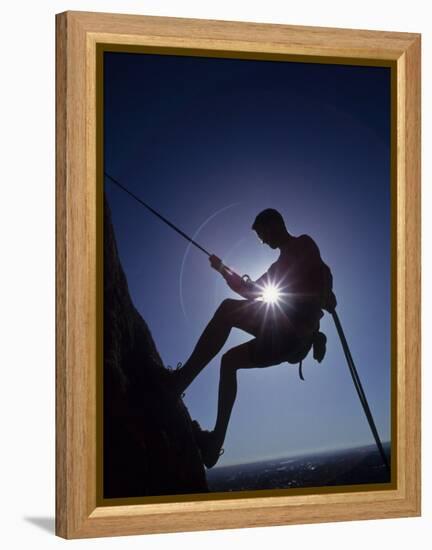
282, 310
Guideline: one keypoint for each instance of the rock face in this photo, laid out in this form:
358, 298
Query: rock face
149, 448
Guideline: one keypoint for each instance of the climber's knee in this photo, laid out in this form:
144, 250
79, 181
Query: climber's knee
237, 358
229, 364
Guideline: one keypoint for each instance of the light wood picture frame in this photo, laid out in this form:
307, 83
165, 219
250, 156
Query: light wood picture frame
80, 512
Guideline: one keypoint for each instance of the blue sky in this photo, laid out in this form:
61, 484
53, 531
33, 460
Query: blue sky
210, 143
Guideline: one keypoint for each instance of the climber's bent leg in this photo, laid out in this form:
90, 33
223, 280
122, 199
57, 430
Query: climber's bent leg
229, 314
236, 358
210, 443
240, 357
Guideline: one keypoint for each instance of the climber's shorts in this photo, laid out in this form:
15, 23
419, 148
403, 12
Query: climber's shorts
272, 349
272, 344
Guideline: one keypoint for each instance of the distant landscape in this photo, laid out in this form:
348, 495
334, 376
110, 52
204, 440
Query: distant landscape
360, 465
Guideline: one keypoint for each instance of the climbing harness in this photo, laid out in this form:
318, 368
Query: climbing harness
329, 304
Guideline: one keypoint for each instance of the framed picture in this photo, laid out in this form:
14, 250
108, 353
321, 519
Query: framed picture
238, 274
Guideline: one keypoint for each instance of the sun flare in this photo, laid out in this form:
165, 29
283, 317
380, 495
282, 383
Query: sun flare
270, 294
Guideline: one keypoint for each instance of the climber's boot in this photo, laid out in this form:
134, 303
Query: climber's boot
209, 448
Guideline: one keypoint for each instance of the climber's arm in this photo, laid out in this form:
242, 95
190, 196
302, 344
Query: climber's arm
245, 289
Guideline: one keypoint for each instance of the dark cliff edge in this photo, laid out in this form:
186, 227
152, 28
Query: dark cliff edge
148, 444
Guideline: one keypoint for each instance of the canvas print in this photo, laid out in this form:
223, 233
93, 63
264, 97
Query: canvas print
247, 276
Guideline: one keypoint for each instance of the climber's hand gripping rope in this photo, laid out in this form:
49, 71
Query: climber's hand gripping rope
235, 282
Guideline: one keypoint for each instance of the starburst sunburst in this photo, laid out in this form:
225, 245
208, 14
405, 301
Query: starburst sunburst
270, 294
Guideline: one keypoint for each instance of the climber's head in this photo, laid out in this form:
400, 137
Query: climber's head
270, 228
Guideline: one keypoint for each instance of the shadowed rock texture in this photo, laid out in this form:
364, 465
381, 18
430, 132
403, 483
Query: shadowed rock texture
149, 448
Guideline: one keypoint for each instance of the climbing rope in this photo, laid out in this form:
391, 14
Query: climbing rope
156, 213
359, 388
